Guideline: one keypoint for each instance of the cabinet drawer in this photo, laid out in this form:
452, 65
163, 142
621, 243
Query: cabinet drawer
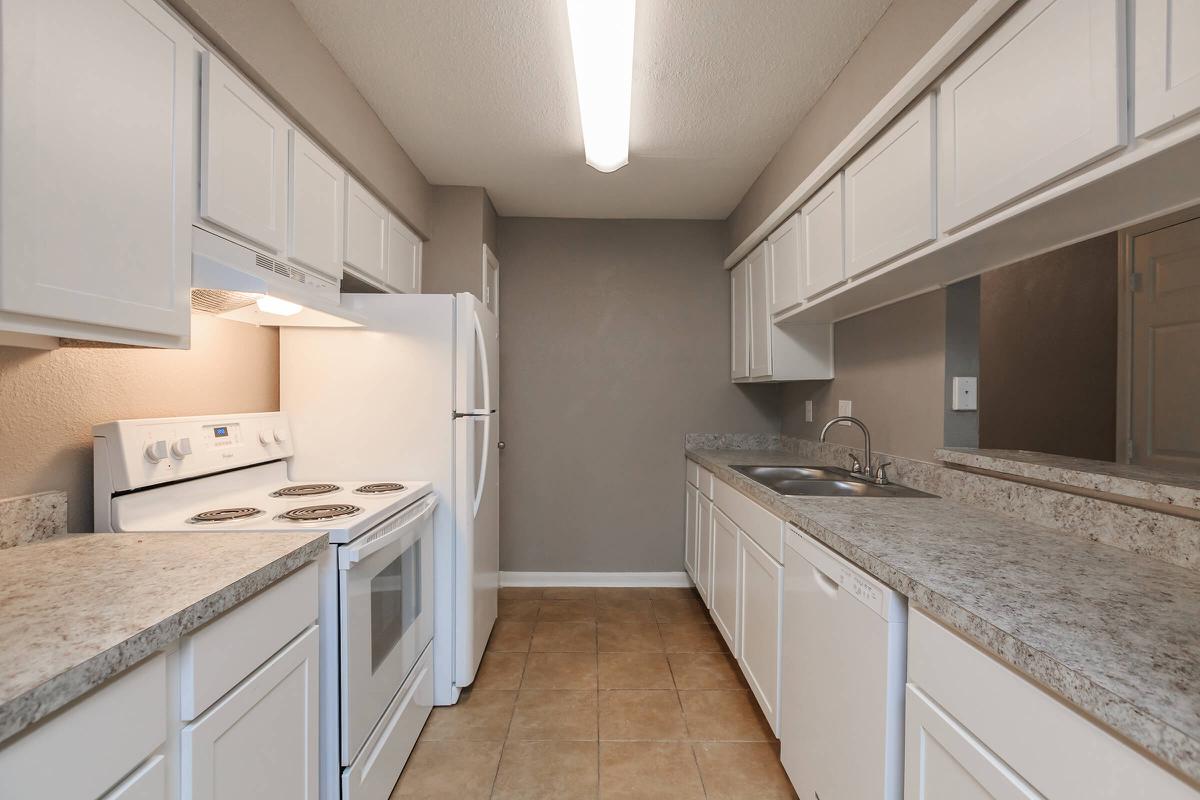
704, 482
759, 524
1041, 95
692, 472
1051, 746
218, 656
90, 745
890, 191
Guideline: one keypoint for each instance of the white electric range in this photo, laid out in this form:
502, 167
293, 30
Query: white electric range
230, 473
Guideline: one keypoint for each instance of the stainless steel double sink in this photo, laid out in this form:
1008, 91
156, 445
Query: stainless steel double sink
822, 482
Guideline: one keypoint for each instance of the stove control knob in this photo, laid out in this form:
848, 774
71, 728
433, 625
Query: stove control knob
280, 435
265, 438
181, 447
156, 451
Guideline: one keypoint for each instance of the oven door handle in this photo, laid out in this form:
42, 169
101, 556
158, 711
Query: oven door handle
349, 556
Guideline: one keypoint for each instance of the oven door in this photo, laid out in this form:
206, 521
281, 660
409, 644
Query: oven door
385, 608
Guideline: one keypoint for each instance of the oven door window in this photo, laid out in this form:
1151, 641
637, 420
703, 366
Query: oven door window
395, 602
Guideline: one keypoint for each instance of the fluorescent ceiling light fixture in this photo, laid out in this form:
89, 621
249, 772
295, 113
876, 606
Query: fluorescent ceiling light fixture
277, 306
602, 45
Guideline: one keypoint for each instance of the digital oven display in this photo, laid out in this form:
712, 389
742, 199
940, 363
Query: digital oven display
221, 432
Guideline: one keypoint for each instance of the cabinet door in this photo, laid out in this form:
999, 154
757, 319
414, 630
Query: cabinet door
760, 625
316, 188
822, 249
404, 257
691, 512
760, 313
1166, 62
740, 315
96, 175
704, 523
783, 253
889, 192
943, 761
366, 232
725, 578
260, 740
243, 158
1040, 96
148, 782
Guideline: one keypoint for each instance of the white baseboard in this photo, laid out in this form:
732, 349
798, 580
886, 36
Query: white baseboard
655, 579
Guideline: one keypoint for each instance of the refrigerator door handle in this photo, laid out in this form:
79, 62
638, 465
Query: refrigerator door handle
483, 465
481, 349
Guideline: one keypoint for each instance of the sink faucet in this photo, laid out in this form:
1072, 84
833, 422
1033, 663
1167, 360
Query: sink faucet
866, 467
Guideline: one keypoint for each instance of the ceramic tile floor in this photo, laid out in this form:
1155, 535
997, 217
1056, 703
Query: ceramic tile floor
608, 693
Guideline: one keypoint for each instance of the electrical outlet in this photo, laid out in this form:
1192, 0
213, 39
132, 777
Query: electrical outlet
844, 410
808, 410
965, 394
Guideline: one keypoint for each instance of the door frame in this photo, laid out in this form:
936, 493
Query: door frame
1125, 239
490, 261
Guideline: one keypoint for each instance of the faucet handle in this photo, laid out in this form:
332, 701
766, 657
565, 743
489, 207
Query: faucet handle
881, 477
856, 467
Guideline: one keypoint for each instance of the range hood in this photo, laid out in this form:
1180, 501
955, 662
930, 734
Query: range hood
231, 281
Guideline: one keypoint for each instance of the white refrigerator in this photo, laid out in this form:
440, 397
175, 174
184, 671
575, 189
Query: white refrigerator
413, 394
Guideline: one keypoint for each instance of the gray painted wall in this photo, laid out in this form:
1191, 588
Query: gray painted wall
614, 343
962, 359
903, 34
463, 221
890, 364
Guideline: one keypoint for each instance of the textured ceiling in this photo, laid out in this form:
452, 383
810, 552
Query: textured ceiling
482, 93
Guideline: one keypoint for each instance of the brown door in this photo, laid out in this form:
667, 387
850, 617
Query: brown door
1165, 396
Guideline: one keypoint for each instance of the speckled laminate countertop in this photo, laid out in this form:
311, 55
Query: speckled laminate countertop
78, 609
1114, 633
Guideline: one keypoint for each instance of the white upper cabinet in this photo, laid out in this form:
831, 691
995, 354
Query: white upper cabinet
404, 257
760, 313
366, 234
316, 188
739, 280
96, 148
783, 254
1040, 96
890, 192
243, 158
822, 245
1166, 62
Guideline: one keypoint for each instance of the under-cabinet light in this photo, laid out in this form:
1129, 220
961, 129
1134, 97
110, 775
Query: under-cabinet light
277, 306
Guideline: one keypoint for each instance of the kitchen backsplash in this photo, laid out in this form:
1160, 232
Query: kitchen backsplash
32, 518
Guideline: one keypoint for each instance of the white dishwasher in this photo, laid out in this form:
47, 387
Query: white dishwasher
844, 641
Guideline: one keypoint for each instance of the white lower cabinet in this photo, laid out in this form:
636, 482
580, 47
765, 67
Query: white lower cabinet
148, 782
248, 683
759, 625
704, 526
974, 728
260, 740
725, 578
691, 528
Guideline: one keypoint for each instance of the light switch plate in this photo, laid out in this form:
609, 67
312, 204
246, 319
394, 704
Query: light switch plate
844, 411
965, 393
808, 410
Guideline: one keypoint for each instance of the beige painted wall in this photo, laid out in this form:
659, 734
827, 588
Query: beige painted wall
50, 400
614, 343
463, 220
270, 42
903, 34
890, 363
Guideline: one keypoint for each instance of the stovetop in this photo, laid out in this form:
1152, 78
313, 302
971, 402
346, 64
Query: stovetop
261, 498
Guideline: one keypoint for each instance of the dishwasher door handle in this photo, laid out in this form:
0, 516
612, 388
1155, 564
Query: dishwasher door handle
825, 583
